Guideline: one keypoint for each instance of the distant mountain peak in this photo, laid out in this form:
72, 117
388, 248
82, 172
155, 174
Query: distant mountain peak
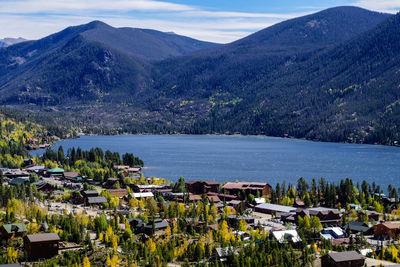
11, 41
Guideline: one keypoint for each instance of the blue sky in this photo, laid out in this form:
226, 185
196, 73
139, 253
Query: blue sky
211, 20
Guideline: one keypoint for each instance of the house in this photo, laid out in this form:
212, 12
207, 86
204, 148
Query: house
19, 181
259, 200
151, 188
89, 193
194, 198
110, 182
387, 230
12, 230
332, 233
343, 259
237, 204
41, 245
136, 225
373, 215
142, 195
40, 170
202, 187
13, 173
254, 188
359, 227
214, 199
90, 201
222, 254
273, 208
44, 187
286, 236
27, 162
134, 170
73, 176
159, 225
55, 172
120, 193
223, 197
326, 215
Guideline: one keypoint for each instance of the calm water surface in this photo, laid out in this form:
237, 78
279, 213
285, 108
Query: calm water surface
251, 158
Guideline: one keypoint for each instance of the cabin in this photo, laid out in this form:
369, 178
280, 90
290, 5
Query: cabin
286, 236
19, 181
202, 187
194, 198
73, 176
332, 233
247, 188
110, 182
273, 209
120, 193
12, 230
359, 227
151, 188
387, 230
89, 193
41, 245
140, 227
222, 254
39, 170
326, 215
343, 259
213, 199
223, 197
55, 172
14, 173
44, 187
142, 195
99, 200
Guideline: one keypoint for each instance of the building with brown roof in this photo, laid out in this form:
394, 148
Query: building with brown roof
118, 192
343, 259
254, 188
387, 230
41, 245
195, 198
202, 187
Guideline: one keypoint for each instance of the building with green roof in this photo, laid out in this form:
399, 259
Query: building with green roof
12, 230
55, 172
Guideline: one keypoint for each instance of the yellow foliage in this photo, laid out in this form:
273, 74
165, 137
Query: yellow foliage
12, 255
151, 245
86, 262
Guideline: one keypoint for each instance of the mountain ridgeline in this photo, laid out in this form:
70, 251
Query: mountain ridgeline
331, 76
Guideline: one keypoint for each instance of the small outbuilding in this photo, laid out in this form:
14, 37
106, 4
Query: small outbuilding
343, 259
41, 245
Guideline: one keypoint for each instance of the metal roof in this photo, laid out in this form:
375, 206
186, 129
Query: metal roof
345, 256
43, 237
275, 207
15, 227
97, 200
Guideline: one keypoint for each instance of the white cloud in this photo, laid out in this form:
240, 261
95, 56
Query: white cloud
388, 6
30, 6
34, 19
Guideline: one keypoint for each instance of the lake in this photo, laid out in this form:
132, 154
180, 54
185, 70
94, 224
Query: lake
251, 158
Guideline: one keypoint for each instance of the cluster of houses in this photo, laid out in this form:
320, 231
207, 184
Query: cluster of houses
229, 194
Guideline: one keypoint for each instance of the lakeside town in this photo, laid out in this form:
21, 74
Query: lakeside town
83, 208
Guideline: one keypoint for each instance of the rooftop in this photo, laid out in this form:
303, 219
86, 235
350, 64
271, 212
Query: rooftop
43, 237
275, 207
345, 256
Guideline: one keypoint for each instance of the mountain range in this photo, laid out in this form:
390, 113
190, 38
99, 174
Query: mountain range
11, 41
332, 76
